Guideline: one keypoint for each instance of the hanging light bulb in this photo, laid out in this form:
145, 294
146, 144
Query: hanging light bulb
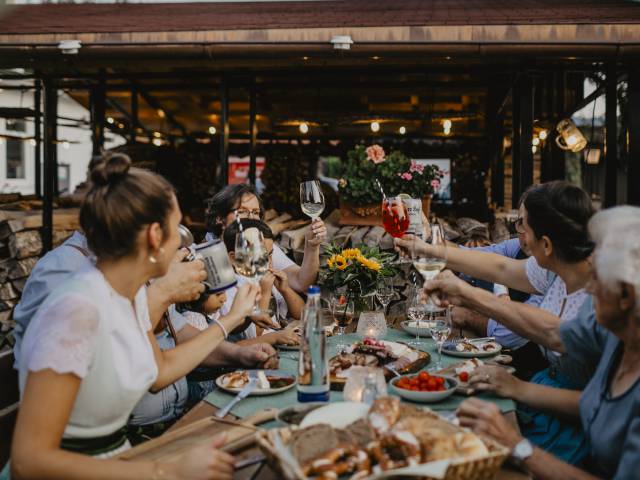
534, 149
542, 135
157, 142
304, 128
212, 130
157, 134
446, 124
375, 127
402, 130
110, 120
160, 113
535, 141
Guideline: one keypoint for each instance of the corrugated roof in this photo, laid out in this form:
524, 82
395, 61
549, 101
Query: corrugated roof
98, 18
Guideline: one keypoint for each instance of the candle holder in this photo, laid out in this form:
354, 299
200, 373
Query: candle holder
364, 384
372, 324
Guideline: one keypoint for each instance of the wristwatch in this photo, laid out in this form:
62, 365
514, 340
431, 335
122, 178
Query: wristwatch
522, 451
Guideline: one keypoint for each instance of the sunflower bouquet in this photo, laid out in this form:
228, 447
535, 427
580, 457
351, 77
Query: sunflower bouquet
359, 269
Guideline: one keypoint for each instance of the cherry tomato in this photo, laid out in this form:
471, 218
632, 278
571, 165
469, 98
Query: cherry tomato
424, 376
464, 376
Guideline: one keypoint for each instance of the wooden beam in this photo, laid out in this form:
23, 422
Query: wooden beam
633, 174
37, 122
134, 123
224, 135
97, 107
522, 136
50, 161
153, 103
611, 138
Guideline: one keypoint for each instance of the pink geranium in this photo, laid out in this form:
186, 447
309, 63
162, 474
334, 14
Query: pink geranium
416, 167
375, 153
406, 176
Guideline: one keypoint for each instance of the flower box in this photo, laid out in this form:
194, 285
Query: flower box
367, 215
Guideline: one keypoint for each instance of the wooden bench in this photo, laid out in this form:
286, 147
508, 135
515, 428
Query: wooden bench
9, 401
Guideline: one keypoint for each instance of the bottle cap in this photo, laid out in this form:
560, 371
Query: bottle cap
313, 290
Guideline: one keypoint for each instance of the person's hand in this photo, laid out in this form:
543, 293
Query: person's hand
281, 280
183, 280
258, 355
495, 379
447, 289
317, 233
205, 462
409, 245
263, 320
485, 418
242, 305
288, 336
266, 283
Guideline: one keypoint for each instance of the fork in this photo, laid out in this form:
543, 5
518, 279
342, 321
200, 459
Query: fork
248, 388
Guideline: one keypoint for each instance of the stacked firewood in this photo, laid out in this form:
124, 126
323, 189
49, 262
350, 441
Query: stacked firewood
20, 250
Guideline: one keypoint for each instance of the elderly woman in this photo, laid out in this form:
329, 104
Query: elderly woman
609, 407
554, 226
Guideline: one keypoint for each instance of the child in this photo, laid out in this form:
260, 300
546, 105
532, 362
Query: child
275, 289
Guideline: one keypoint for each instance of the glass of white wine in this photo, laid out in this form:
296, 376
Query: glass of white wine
311, 199
432, 264
416, 312
440, 330
251, 258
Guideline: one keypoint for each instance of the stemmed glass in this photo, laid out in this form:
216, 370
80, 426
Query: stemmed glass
311, 199
395, 219
431, 265
251, 258
416, 312
440, 330
385, 292
343, 312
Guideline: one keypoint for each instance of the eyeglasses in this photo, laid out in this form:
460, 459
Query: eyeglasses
519, 225
244, 213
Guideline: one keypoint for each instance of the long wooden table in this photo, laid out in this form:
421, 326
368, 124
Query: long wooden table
262, 471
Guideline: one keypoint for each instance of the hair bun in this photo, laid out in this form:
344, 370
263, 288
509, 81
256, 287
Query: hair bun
112, 168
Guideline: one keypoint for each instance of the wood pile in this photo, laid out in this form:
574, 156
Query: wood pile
21, 248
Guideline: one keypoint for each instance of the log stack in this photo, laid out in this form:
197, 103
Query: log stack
20, 250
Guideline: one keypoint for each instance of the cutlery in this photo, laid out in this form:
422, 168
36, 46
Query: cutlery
248, 388
392, 370
247, 462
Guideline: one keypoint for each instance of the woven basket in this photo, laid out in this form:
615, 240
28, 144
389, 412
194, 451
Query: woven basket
477, 469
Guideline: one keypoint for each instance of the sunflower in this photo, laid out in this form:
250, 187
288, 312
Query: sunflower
341, 262
351, 253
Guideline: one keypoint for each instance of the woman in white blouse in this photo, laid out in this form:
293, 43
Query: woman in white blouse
554, 226
82, 374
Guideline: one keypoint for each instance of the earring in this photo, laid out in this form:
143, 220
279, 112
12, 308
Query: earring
153, 259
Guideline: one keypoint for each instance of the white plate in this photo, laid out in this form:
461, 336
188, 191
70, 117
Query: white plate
260, 391
412, 330
478, 354
337, 415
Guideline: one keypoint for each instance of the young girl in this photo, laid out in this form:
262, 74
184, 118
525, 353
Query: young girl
90, 350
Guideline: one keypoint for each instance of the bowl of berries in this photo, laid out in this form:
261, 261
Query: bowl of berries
424, 387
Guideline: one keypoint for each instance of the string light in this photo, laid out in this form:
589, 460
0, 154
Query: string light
157, 134
157, 142
212, 130
446, 124
375, 127
110, 120
543, 135
160, 113
402, 130
535, 141
304, 128
534, 149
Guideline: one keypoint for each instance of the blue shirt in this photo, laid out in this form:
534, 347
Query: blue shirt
505, 337
611, 424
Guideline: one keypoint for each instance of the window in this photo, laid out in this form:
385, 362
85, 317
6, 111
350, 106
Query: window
16, 125
64, 172
15, 158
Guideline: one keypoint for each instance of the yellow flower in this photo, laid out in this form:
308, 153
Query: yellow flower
369, 263
331, 261
351, 253
341, 262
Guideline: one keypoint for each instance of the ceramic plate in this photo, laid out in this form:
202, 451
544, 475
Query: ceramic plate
449, 348
425, 397
261, 391
338, 414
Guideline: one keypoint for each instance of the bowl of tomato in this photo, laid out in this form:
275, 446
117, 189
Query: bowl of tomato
424, 387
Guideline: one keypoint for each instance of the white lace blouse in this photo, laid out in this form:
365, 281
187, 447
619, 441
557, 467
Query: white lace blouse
86, 328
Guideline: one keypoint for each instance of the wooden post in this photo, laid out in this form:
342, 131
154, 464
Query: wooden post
98, 105
134, 115
253, 134
50, 166
495, 132
633, 174
37, 133
522, 136
557, 155
611, 138
224, 134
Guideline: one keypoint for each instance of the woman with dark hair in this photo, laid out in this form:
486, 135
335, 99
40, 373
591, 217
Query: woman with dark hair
554, 226
90, 351
243, 201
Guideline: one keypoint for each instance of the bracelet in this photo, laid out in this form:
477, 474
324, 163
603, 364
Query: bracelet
224, 330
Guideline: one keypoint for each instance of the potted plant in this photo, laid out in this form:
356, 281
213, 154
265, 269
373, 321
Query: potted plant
368, 169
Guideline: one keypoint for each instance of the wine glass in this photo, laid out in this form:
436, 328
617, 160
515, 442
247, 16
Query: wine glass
440, 330
431, 265
416, 312
343, 312
251, 258
385, 292
395, 217
311, 199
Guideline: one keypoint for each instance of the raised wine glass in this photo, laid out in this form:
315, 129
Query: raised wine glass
440, 330
311, 199
251, 258
431, 265
395, 218
385, 292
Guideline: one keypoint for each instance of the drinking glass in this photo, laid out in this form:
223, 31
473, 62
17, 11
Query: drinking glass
440, 330
385, 292
311, 199
431, 265
251, 258
343, 312
395, 218
415, 312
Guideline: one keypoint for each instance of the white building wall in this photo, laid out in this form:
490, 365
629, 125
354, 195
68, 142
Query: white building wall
76, 153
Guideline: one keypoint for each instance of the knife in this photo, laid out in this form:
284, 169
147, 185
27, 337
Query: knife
248, 388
